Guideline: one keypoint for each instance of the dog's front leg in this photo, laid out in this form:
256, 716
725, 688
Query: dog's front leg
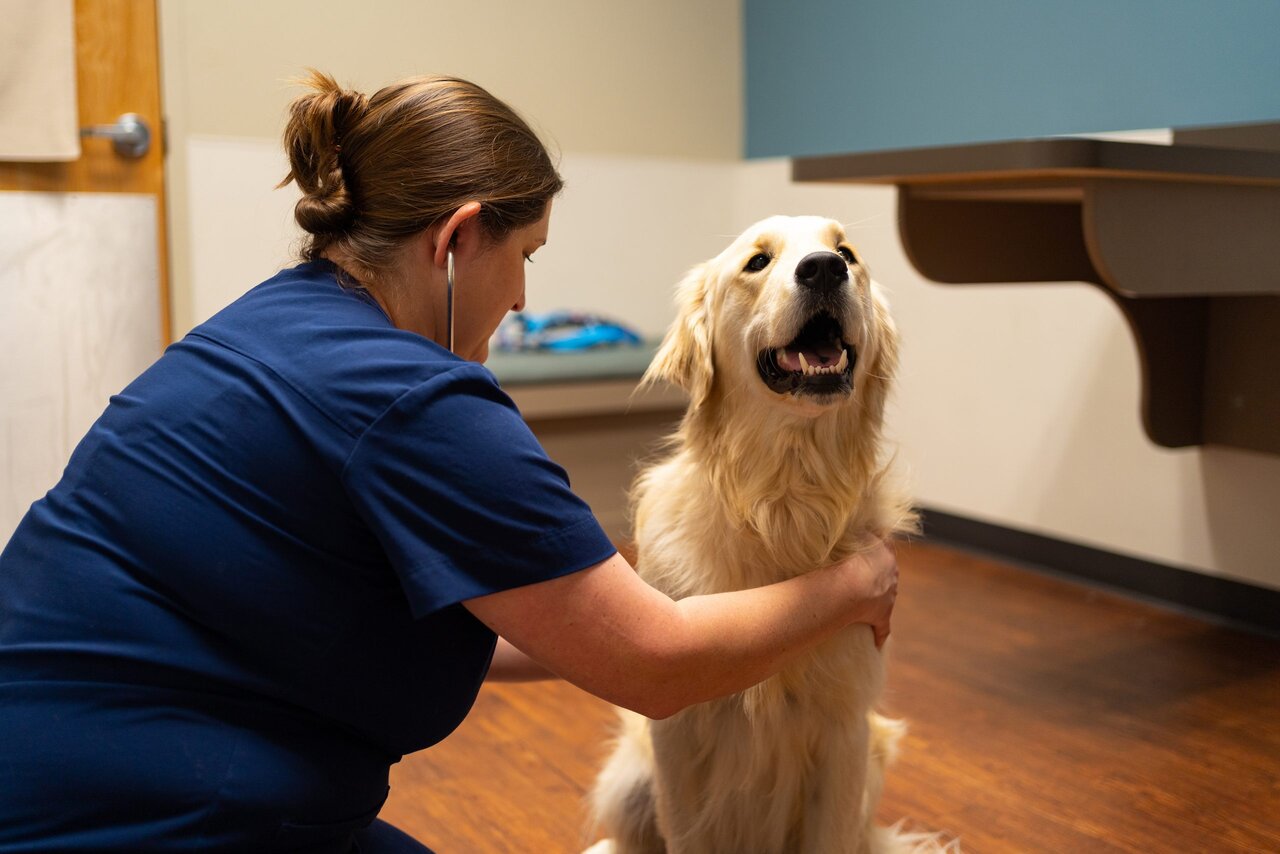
702, 806
833, 814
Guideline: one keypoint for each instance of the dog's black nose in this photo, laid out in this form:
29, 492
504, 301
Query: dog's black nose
822, 271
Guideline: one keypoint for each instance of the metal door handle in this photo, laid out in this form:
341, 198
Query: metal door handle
130, 136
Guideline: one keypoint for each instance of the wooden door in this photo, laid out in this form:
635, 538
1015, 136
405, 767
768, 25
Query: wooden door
84, 303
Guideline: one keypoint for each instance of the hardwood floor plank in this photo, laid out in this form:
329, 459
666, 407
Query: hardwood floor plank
1045, 716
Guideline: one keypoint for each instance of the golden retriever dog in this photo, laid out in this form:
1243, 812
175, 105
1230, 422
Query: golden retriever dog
787, 351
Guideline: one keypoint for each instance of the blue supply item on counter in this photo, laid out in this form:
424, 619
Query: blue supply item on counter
561, 331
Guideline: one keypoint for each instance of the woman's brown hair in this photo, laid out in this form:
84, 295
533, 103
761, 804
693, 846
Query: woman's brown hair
375, 170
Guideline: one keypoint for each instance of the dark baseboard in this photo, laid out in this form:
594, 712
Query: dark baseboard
1245, 606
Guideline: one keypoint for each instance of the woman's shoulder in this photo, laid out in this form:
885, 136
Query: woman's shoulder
302, 305
331, 344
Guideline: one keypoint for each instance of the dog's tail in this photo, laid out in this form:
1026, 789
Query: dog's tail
886, 734
622, 801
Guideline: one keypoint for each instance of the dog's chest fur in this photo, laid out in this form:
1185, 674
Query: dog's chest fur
690, 543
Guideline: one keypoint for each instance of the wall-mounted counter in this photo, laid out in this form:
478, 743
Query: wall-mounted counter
1184, 238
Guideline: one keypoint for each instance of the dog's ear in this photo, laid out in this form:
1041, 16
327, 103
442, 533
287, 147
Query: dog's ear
884, 361
684, 358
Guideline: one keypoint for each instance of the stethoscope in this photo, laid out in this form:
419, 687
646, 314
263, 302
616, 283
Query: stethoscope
449, 300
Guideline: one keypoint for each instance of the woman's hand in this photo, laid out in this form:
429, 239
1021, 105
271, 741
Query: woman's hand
875, 574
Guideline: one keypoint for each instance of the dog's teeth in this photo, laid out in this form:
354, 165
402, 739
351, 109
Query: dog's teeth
781, 355
804, 364
844, 361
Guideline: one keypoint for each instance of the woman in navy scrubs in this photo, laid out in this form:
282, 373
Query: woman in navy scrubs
285, 555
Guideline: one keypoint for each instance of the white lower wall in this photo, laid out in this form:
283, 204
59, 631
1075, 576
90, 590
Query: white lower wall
1017, 404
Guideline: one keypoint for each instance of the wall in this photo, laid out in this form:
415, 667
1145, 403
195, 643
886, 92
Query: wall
1016, 405
831, 76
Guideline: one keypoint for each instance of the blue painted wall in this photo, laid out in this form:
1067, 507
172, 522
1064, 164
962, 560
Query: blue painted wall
825, 76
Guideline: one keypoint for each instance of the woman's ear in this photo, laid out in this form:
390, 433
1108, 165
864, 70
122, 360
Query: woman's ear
447, 234
684, 357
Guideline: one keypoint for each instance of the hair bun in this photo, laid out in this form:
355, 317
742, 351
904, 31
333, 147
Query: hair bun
318, 123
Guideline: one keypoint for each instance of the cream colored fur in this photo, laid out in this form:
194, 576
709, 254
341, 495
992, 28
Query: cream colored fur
759, 486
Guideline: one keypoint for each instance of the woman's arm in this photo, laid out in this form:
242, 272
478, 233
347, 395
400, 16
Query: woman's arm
609, 633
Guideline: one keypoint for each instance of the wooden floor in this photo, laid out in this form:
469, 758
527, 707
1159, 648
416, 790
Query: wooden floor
1045, 717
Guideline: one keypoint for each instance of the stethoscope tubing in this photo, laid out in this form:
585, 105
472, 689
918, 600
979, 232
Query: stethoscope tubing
449, 304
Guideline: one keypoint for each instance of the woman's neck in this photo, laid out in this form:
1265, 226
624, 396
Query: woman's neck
406, 291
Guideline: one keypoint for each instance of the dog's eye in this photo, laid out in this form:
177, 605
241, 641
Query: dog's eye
758, 262
847, 254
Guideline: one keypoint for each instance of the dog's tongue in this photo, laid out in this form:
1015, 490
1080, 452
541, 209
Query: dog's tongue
825, 354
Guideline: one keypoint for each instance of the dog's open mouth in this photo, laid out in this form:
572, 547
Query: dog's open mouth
817, 362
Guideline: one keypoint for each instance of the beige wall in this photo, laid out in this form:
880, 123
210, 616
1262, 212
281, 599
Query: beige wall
1016, 404
657, 77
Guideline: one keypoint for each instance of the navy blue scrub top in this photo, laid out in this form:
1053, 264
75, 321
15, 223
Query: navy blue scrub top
240, 605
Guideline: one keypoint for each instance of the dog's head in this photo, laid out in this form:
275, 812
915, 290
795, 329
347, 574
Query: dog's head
787, 314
